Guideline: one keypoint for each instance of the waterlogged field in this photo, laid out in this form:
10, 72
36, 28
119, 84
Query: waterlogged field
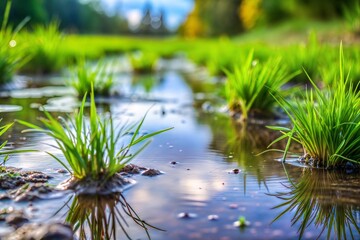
214, 184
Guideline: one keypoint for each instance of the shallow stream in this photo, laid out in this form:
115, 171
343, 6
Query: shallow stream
212, 173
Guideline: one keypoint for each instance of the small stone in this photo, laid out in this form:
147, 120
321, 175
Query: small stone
151, 172
48, 231
186, 215
233, 206
61, 171
213, 217
16, 219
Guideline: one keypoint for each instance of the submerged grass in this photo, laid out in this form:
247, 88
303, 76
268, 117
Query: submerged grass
326, 123
85, 76
250, 86
91, 150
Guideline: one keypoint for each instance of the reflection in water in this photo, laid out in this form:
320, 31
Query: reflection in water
101, 217
327, 199
146, 82
242, 143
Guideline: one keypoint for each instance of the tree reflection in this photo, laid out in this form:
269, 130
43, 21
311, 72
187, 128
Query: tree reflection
328, 200
103, 217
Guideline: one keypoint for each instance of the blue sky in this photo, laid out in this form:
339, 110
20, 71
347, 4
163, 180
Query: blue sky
175, 10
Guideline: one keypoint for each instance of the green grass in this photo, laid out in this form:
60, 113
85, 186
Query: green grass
143, 62
92, 150
330, 74
326, 123
45, 45
3, 129
316, 200
352, 16
251, 85
86, 75
12, 54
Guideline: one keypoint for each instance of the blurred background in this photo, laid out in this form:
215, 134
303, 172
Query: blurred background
189, 18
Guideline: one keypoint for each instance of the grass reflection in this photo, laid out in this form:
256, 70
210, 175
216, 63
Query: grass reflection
324, 199
146, 82
101, 217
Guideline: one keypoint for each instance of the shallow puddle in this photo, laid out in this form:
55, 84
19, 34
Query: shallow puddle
212, 173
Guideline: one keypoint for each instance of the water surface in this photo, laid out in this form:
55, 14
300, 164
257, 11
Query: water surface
207, 146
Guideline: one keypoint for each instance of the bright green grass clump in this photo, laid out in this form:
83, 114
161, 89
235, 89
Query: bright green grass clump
143, 62
12, 55
85, 76
45, 47
251, 85
92, 149
326, 123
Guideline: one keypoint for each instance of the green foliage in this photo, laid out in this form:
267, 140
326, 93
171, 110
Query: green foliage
143, 62
305, 56
223, 56
352, 16
242, 221
91, 150
326, 123
85, 76
3, 129
12, 56
45, 47
330, 75
250, 87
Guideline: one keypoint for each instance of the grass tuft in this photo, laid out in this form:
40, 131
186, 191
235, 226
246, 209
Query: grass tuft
250, 86
91, 148
143, 62
326, 123
85, 76
45, 48
12, 55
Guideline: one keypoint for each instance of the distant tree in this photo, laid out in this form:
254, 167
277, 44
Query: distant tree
73, 15
29, 8
216, 18
193, 25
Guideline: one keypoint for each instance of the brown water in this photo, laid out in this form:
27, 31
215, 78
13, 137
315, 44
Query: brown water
207, 146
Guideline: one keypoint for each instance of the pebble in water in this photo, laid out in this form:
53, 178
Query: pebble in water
187, 215
213, 217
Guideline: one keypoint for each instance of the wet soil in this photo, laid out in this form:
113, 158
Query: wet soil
11, 178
